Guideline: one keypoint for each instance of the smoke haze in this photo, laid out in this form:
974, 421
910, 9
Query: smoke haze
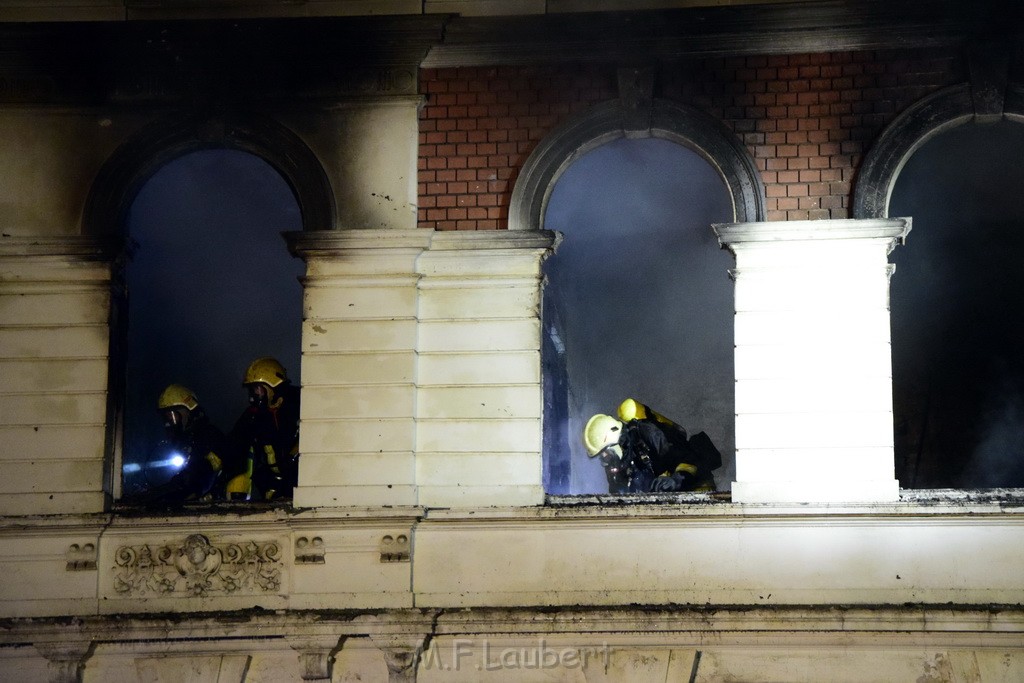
211, 286
639, 294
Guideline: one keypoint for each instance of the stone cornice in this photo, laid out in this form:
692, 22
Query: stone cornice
326, 243
686, 32
730, 234
335, 243
71, 246
727, 621
493, 239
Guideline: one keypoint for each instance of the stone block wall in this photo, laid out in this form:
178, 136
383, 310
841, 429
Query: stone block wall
54, 348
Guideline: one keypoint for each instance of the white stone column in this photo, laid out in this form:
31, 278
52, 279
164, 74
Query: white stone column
54, 352
814, 416
479, 402
359, 335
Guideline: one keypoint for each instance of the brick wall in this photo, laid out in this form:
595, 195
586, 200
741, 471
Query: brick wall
807, 120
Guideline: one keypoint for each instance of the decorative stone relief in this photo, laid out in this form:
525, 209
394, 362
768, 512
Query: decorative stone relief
80, 557
197, 567
395, 548
309, 550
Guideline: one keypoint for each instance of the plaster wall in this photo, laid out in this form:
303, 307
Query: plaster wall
50, 157
368, 151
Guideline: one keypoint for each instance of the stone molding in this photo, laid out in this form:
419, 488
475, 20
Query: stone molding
602, 123
945, 623
171, 136
70, 247
922, 121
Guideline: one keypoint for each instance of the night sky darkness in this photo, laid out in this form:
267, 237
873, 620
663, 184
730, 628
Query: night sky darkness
957, 312
211, 286
640, 294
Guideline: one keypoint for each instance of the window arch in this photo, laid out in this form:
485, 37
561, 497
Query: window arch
921, 122
124, 173
603, 123
956, 381
721, 161
156, 147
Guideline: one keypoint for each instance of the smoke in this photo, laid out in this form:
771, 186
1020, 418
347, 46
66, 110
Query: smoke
211, 286
957, 315
640, 296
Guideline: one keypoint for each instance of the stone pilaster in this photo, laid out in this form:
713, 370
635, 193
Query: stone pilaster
54, 352
813, 360
359, 334
478, 402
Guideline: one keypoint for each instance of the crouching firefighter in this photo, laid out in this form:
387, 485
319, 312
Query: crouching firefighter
643, 451
210, 460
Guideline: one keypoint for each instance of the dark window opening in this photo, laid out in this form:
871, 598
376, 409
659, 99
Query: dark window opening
957, 319
210, 287
637, 302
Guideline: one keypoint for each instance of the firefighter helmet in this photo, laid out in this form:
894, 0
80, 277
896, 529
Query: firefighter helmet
601, 431
266, 370
176, 395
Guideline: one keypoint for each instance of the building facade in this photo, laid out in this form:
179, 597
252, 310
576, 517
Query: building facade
422, 142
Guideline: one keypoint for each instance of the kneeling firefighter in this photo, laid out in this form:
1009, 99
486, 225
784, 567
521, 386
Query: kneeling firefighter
209, 459
644, 451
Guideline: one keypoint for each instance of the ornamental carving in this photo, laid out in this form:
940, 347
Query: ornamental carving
197, 567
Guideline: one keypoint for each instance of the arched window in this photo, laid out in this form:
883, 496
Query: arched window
957, 317
210, 286
637, 300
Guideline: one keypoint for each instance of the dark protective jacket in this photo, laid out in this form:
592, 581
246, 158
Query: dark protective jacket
269, 435
211, 458
660, 457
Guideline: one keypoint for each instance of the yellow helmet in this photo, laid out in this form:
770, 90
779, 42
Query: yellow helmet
176, 395
601, 431
266, 370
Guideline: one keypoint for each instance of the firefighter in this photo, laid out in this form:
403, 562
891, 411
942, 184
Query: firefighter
642, 450
209, 458
268, 430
